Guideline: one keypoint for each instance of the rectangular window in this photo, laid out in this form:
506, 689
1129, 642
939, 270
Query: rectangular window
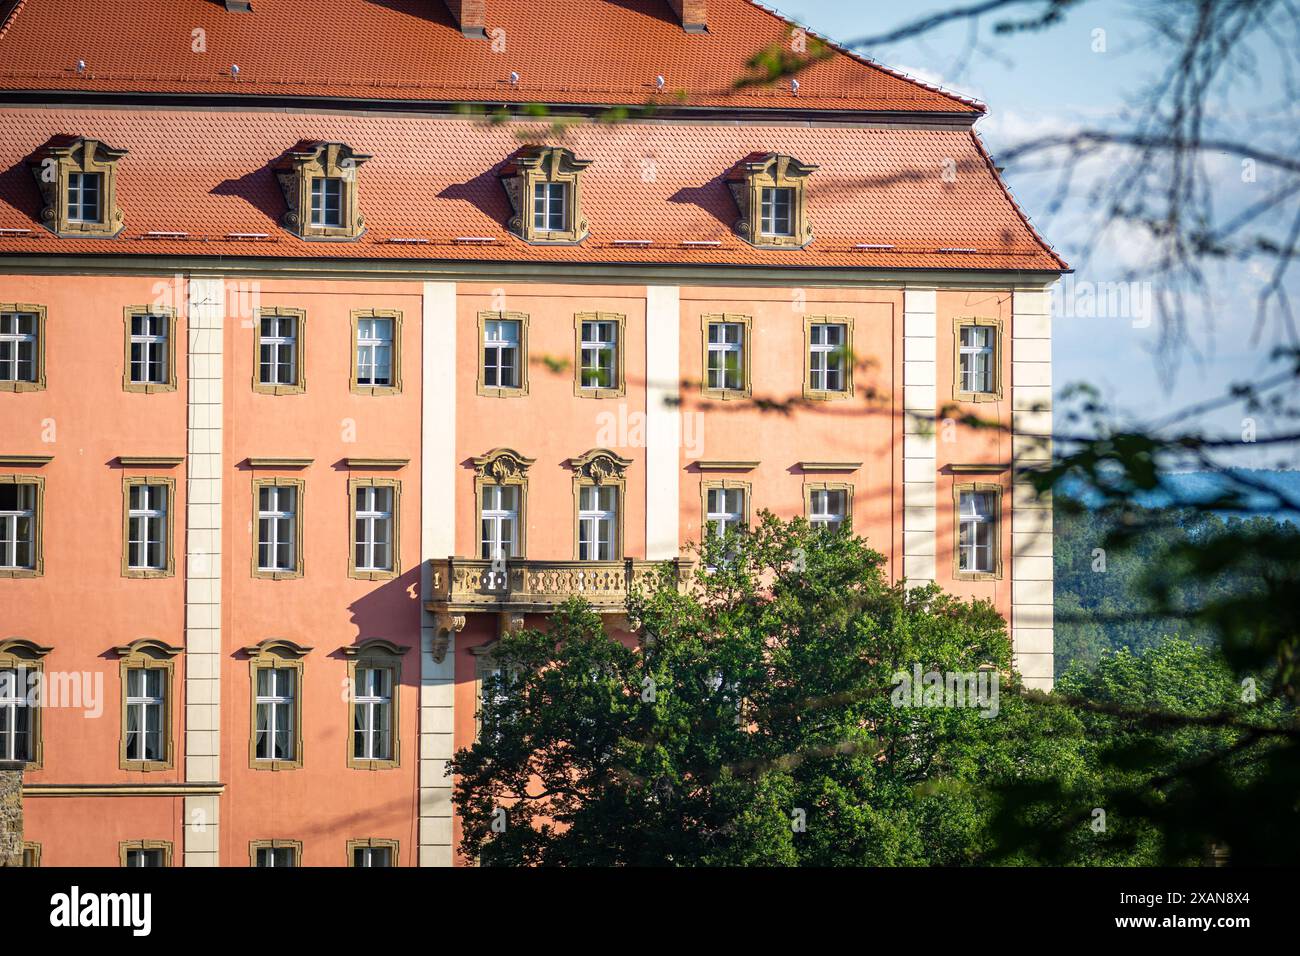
372, 856
372, 714
373, 519
726, 511
277, 528
17, 716
499, 521
599, 355
501, 353
146, 714
84, 196
726, 356
31, 854
18, 525
777, 202
977, 532
278, 351
549, 200
828, 507
375, 351
597, 523
149, 350
327, 201
276, 703
827, 356
152, 856
19, 347
147, 522
272, 855
977, 355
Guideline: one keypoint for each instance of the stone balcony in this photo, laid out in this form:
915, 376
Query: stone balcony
525, 586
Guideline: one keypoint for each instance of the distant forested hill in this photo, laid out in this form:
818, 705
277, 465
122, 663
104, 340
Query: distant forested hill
1100, 595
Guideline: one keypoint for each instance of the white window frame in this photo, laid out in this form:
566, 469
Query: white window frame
494, 513
271, 852
969, 376
722, 349
143, 853
363, 856
969, 523
143, 703
827, 358
149, 515
819, 513
13, 698
277, 516
498, 344
323, 214
771, 220
9, 522
153, 346
606, 378
597, 524
16, 340
549, 201
273, 701
77, 193
376, 710
278, 342
369, 517
719, 522
369, 346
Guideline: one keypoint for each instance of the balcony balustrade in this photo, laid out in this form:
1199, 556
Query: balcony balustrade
523, 586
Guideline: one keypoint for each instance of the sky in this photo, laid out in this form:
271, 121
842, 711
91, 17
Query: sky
1089, 72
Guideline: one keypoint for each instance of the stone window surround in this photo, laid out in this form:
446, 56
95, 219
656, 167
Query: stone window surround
38, 383
498, 391
730, 484
65, 155
998, 339
169, 565
148, 388
746, 356
311, 160
849, 359
299, 348
844, 486
535, 164
276, 652
38, 527
255, 845
747, 180
17, 652
600, 467
503, 466
366, 574
380, 654
997, 491
149, 654
395, 388
362, 843
619, 387
300, 498
125, 845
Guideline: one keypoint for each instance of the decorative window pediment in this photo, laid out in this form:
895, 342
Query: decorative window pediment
319, 182
544, 185
503, 465
600, 465
771, 191
77, 178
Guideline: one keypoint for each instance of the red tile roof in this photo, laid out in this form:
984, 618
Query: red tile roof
573, 52
208, 174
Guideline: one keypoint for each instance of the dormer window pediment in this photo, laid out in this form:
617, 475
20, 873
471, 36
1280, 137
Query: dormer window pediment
544, 185
319, 182
771, 192
77, 177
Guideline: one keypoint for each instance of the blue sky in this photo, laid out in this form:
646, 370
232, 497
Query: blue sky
1056, 80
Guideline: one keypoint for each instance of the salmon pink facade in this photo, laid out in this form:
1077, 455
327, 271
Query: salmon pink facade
313, 385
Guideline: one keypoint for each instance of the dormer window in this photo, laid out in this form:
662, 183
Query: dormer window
550, 201
327, 201
83, 197
777, 201
544, 185
77, 178
319, 182
771, 192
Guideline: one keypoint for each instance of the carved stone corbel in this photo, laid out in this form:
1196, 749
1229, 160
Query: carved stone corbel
447, 624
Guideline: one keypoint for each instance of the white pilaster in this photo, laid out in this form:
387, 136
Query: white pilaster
437, 542
1031, 518
663, 427
206, 315
919, 404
